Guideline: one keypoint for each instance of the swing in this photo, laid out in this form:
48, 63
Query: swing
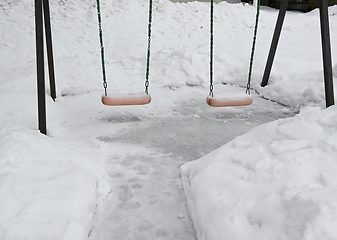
124, 99
231, 100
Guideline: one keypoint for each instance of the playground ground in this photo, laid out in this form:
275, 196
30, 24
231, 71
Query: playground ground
144, 156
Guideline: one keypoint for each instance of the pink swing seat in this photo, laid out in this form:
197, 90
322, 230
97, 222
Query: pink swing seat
232, 100
124, 99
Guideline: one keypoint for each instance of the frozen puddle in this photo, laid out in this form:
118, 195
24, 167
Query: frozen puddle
148, 199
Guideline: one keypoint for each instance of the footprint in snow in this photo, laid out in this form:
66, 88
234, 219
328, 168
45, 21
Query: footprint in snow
161, 232
130, 206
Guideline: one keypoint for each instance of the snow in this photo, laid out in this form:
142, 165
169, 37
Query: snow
275, 182
55, 189
255, 172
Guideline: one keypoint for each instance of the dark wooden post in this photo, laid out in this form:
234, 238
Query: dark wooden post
273, 46
49, 44
326, 50
40, 67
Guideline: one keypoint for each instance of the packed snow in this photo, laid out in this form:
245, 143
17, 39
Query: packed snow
277, 181
176, 168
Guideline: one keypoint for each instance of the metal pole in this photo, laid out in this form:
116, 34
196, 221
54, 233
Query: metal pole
40, 67
273, 46
326, 50
49, 44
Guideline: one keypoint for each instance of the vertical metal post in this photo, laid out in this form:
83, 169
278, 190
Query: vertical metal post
273, 46
40, 67
326, 50
49, 43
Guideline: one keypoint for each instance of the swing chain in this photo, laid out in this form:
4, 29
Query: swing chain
248, 88
211, 90
149, 41
253, 46
105, 84
211, 52
147, 83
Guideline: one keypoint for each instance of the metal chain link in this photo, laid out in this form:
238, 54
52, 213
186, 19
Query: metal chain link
211, 90
253, 47
248, 88
147, 82
211, 52
105, 84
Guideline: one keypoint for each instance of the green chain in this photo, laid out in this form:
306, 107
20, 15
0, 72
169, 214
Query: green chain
105, 84
253, 47
211, 52
148, 49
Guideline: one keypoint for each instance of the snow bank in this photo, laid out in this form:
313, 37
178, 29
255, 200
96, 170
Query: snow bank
278, 181
49, 189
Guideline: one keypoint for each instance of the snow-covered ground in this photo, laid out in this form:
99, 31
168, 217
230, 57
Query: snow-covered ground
277, 181
113, 172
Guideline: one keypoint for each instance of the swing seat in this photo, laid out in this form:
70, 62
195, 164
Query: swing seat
232, 100
124, 99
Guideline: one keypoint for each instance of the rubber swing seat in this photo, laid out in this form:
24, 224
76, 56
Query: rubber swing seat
124, 99
232, 100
